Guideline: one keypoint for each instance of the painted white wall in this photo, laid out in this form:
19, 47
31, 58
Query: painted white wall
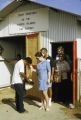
6, 69
24, 21
5, 74
79, 68
79, 48
28, 21
4, 29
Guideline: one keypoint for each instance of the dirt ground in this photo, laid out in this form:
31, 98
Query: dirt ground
74, 113
7, 95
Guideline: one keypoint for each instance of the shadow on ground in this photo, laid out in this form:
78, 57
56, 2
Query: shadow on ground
11, 102
78, 115
31, 102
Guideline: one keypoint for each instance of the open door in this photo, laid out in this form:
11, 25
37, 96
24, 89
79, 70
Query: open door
74, 74
32, 46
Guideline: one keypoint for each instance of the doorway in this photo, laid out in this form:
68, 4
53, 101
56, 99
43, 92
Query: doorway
68, 50
12, 46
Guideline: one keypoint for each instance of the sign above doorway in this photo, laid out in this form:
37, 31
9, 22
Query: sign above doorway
28, 21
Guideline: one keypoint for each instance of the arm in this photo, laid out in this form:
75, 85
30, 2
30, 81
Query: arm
32, 68
52, 73
52, 63
48, 81
23, 75
67, 66
49, 71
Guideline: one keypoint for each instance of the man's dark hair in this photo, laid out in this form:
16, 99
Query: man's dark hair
43, 49
18, 57
1, 49
29, 60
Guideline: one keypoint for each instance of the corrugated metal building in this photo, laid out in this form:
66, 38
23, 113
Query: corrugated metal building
51, 25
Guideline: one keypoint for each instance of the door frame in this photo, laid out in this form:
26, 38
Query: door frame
74, 66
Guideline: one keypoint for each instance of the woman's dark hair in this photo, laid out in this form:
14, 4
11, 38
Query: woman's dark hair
38, 54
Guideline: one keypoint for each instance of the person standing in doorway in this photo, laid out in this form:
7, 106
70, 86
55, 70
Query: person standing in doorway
17, 80
66, 64
57, 80
44, 52
65, 69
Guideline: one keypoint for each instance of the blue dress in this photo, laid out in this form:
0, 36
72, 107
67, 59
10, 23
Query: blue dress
42, 69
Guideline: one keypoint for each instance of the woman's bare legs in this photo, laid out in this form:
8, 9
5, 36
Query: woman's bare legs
42, 101
45, 96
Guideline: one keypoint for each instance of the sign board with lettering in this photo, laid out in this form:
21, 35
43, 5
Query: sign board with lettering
29, 21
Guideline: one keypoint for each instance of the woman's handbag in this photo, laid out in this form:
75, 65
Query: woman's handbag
29, 84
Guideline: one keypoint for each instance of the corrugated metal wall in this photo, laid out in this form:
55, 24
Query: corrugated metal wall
62, 27
79, 28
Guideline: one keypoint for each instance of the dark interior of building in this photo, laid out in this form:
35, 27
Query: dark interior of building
68, 50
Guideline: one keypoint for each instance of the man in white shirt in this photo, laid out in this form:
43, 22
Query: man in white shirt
17, 80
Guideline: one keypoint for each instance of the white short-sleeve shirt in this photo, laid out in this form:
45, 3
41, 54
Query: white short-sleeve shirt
19, 67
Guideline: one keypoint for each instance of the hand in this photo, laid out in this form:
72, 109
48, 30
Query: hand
51, 79
48, 81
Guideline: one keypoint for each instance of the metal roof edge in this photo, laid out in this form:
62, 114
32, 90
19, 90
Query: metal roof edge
51, 4
8, 9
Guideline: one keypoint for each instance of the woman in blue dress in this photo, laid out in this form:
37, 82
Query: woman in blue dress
43, 71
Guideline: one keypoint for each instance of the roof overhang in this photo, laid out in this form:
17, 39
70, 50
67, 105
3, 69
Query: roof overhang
70, 6
9, 8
